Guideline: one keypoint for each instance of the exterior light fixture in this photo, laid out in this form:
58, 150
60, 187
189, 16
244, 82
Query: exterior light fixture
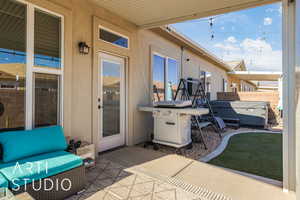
83, 48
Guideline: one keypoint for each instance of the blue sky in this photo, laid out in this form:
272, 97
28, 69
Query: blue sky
254, 35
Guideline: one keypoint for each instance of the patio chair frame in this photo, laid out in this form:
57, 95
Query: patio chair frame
75, 175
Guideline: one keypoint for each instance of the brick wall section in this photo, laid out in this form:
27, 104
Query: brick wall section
271, 97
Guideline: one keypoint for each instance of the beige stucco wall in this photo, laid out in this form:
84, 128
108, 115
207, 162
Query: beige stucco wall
196, 64
81, 71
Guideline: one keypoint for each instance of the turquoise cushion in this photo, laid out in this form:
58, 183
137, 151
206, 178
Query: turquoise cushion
38, 167
20, 144
3, 182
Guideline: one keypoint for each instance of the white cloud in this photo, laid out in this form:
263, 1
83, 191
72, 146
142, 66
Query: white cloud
267, 21
251, 45
269, 10
272, 10
227, 47
222, 28
257, 53
231, 39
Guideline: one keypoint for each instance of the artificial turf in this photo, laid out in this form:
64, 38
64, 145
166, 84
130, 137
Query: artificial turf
255, 153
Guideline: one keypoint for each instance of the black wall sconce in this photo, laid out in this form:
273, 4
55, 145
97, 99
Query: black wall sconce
83, 48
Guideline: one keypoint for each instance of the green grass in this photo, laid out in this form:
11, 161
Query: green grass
255, 153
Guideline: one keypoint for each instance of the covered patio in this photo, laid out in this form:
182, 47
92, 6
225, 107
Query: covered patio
215, 179
131, 172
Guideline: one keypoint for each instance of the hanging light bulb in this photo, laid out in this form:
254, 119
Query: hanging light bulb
211, 27
211, 22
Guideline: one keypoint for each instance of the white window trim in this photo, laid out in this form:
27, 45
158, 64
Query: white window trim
225, 85
166, 67
30, 69
206, 82
116, 33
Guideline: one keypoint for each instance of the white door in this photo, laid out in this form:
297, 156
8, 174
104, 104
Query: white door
111, 102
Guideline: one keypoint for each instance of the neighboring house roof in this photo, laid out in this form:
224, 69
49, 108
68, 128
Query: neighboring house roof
111, 81
159, 85
256, 75
9, 70
238, 65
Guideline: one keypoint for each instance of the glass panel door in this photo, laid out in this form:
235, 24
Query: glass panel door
111, 102
111, 77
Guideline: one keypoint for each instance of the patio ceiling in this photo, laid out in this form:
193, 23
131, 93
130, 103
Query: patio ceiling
153, 13
256, 75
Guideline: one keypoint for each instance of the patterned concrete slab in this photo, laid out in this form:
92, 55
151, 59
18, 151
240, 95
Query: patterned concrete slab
111, 181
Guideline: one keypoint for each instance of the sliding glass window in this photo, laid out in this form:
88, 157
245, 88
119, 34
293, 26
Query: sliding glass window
12, 64
206, 79
46, 92
47, 40
31, 66
165, 75
47, 59
158, 78
225, 85
172, 79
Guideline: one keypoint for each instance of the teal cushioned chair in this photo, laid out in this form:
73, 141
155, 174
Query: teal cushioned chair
38, 167
21, 144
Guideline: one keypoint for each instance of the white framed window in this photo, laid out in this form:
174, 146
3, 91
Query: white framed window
113, 37
206, 79
31, 58
225, 85
165, 77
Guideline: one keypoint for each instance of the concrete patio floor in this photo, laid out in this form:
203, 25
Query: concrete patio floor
137, 173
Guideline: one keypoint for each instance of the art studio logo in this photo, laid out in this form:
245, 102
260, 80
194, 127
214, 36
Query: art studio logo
38, 169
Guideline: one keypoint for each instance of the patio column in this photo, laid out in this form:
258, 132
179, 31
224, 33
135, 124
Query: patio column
297, 93
291, 102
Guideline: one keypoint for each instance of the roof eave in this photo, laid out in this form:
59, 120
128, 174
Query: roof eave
193, 46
